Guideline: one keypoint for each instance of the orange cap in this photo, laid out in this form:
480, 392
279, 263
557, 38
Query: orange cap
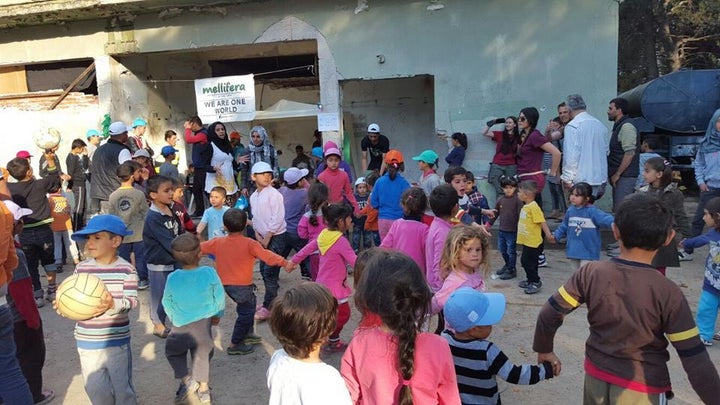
234, 135
393, 156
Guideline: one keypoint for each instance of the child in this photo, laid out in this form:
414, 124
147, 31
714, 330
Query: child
130, 205
408, 234
647, 151
161, 227
477, 201
395, 363
27, 328
361, 238
456, 176
337, 180
708, 305
178, 207
193, 300
368, 319
302, 319
60, 225
443, 202
335, 255
371, 214
36, 238
633, 311
295, 199
457, 155
103, 341
168, 169
197, 136
658, 176
312, 223
471, 314
507, 209
268, 213
581, 226
212, 217
464, 263
77, 164
530, 225
427, 160
388, 190
235, 257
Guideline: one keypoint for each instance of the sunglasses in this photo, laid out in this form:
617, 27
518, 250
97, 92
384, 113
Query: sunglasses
522, 119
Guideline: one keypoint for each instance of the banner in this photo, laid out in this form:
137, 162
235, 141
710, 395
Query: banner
227, 99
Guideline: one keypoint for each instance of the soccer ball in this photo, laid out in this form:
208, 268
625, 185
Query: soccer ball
47, 139
79, 297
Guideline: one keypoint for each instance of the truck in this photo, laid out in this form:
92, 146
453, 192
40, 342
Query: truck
675, 110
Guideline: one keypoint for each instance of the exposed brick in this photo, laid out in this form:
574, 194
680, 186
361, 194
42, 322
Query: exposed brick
72, 100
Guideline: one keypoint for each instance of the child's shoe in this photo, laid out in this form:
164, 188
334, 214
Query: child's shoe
684, 256
204, 397
46, 397
334, 347
509, 274
185, 389
716, 336
533, 288
143, 284
50, 292
706, 342
542, 261
39, 302
262, 314
252, 339
240, 349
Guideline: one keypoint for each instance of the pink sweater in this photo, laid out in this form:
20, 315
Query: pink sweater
308, 231
370, 369
338, 184
455, 280
437, 233
408, 236
335, 254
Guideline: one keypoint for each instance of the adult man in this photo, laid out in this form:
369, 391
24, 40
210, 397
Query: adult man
584, 149
104, 165
554, 132
94, 138
302, 161
623, 160
136, 141
374, 147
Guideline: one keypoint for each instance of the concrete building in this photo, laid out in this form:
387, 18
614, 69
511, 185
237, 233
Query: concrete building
411, 66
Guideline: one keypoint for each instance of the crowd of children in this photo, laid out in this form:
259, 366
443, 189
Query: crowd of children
424, 250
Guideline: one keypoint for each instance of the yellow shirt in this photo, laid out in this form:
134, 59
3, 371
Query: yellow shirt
529, 228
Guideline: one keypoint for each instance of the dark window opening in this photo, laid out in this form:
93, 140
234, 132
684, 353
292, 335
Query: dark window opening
268, 69
59, 75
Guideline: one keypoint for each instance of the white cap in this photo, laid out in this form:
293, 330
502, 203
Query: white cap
118, 128
374, 128
261, 167
360, 180
17, 211
293, 175
142, 152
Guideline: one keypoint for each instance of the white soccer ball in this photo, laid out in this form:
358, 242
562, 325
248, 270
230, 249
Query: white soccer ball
47, 138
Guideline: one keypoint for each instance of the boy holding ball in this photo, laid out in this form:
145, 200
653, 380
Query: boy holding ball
103, 341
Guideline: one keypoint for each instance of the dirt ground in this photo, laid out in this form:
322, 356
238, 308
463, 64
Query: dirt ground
241, 379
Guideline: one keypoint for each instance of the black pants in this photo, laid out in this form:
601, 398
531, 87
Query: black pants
529, 261
198, 191
30, 352
38, 244
78, 216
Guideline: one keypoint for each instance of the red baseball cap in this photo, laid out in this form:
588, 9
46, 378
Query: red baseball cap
23, 154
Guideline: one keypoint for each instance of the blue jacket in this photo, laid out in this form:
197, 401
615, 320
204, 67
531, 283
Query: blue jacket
581, 227
707, 168
711, 283
386, 195
456, 156
193, 294
159, 231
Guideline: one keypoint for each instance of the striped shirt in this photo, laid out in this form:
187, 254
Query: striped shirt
479, 361
113, 327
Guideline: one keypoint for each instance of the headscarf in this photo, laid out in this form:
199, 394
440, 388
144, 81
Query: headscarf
263, 153
711, 141
222, 143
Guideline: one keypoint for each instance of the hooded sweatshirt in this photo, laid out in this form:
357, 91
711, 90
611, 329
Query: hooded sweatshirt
335, 255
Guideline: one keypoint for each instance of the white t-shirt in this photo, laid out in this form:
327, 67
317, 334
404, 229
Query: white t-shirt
295, 382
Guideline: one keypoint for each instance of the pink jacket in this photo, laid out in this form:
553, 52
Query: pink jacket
455, 280
408, 236
335, 254
307, 231
437, 233
338, 184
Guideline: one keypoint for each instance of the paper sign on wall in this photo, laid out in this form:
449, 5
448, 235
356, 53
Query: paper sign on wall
229, 98
328, 122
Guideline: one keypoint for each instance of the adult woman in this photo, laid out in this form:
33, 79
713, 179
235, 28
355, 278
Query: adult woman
707, 173
221, 163
261, 150
504, 161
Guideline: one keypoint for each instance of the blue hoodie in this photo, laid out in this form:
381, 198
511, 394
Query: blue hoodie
581, 227
386, 195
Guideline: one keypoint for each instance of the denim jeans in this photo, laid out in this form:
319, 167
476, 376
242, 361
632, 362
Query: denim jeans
271, 274
244, 297
623, 188
61, 239
496, 171
361, 235
157, 289
38, 246
13, 386
507, 247
558, 197
140, 264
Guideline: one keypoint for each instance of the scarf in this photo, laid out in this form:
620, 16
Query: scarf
222, 143
263, 153
711, 141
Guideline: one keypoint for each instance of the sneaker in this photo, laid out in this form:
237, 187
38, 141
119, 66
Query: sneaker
508, 275
533, 288
240, 349
613, 252
684, 256
525, 284
50, 292
716, 336
262, 314
542, 261
39, 302
204, 397
252, 339
184, 390
612, 246
143, 284
706, 342
45, 397
334, 347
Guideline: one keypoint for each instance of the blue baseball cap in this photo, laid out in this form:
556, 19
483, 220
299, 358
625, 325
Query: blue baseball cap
139, 122
92, 132
168, 150
467, 307
103, 223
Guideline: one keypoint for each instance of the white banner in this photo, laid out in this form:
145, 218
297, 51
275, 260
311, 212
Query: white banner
227, 99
